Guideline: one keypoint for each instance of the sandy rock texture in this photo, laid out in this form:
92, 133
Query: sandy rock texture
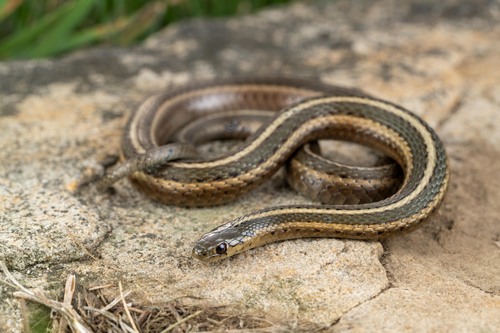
59, 117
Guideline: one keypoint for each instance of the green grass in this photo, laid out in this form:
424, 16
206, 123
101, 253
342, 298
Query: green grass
44, 28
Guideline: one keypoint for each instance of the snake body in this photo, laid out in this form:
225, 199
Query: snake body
308, 172
304, 112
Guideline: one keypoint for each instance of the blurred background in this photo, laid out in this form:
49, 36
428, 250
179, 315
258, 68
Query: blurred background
44, 28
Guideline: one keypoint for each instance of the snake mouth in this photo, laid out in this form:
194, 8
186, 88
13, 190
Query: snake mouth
203, 254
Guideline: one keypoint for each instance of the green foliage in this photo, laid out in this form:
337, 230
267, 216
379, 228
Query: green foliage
39, 319
43, 28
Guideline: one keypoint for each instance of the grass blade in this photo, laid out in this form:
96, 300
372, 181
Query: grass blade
53, 40
7, 7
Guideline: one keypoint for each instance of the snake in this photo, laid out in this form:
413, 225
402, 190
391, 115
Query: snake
304, 111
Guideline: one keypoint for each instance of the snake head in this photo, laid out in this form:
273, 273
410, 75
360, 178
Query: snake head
219, 243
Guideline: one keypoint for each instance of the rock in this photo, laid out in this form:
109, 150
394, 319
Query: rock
59, 117
41, 225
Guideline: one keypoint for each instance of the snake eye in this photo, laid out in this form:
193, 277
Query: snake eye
221, 248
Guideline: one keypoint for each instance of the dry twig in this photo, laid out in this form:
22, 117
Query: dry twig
90, 310
66, 311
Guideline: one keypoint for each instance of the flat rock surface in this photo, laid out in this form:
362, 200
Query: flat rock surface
59, 117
